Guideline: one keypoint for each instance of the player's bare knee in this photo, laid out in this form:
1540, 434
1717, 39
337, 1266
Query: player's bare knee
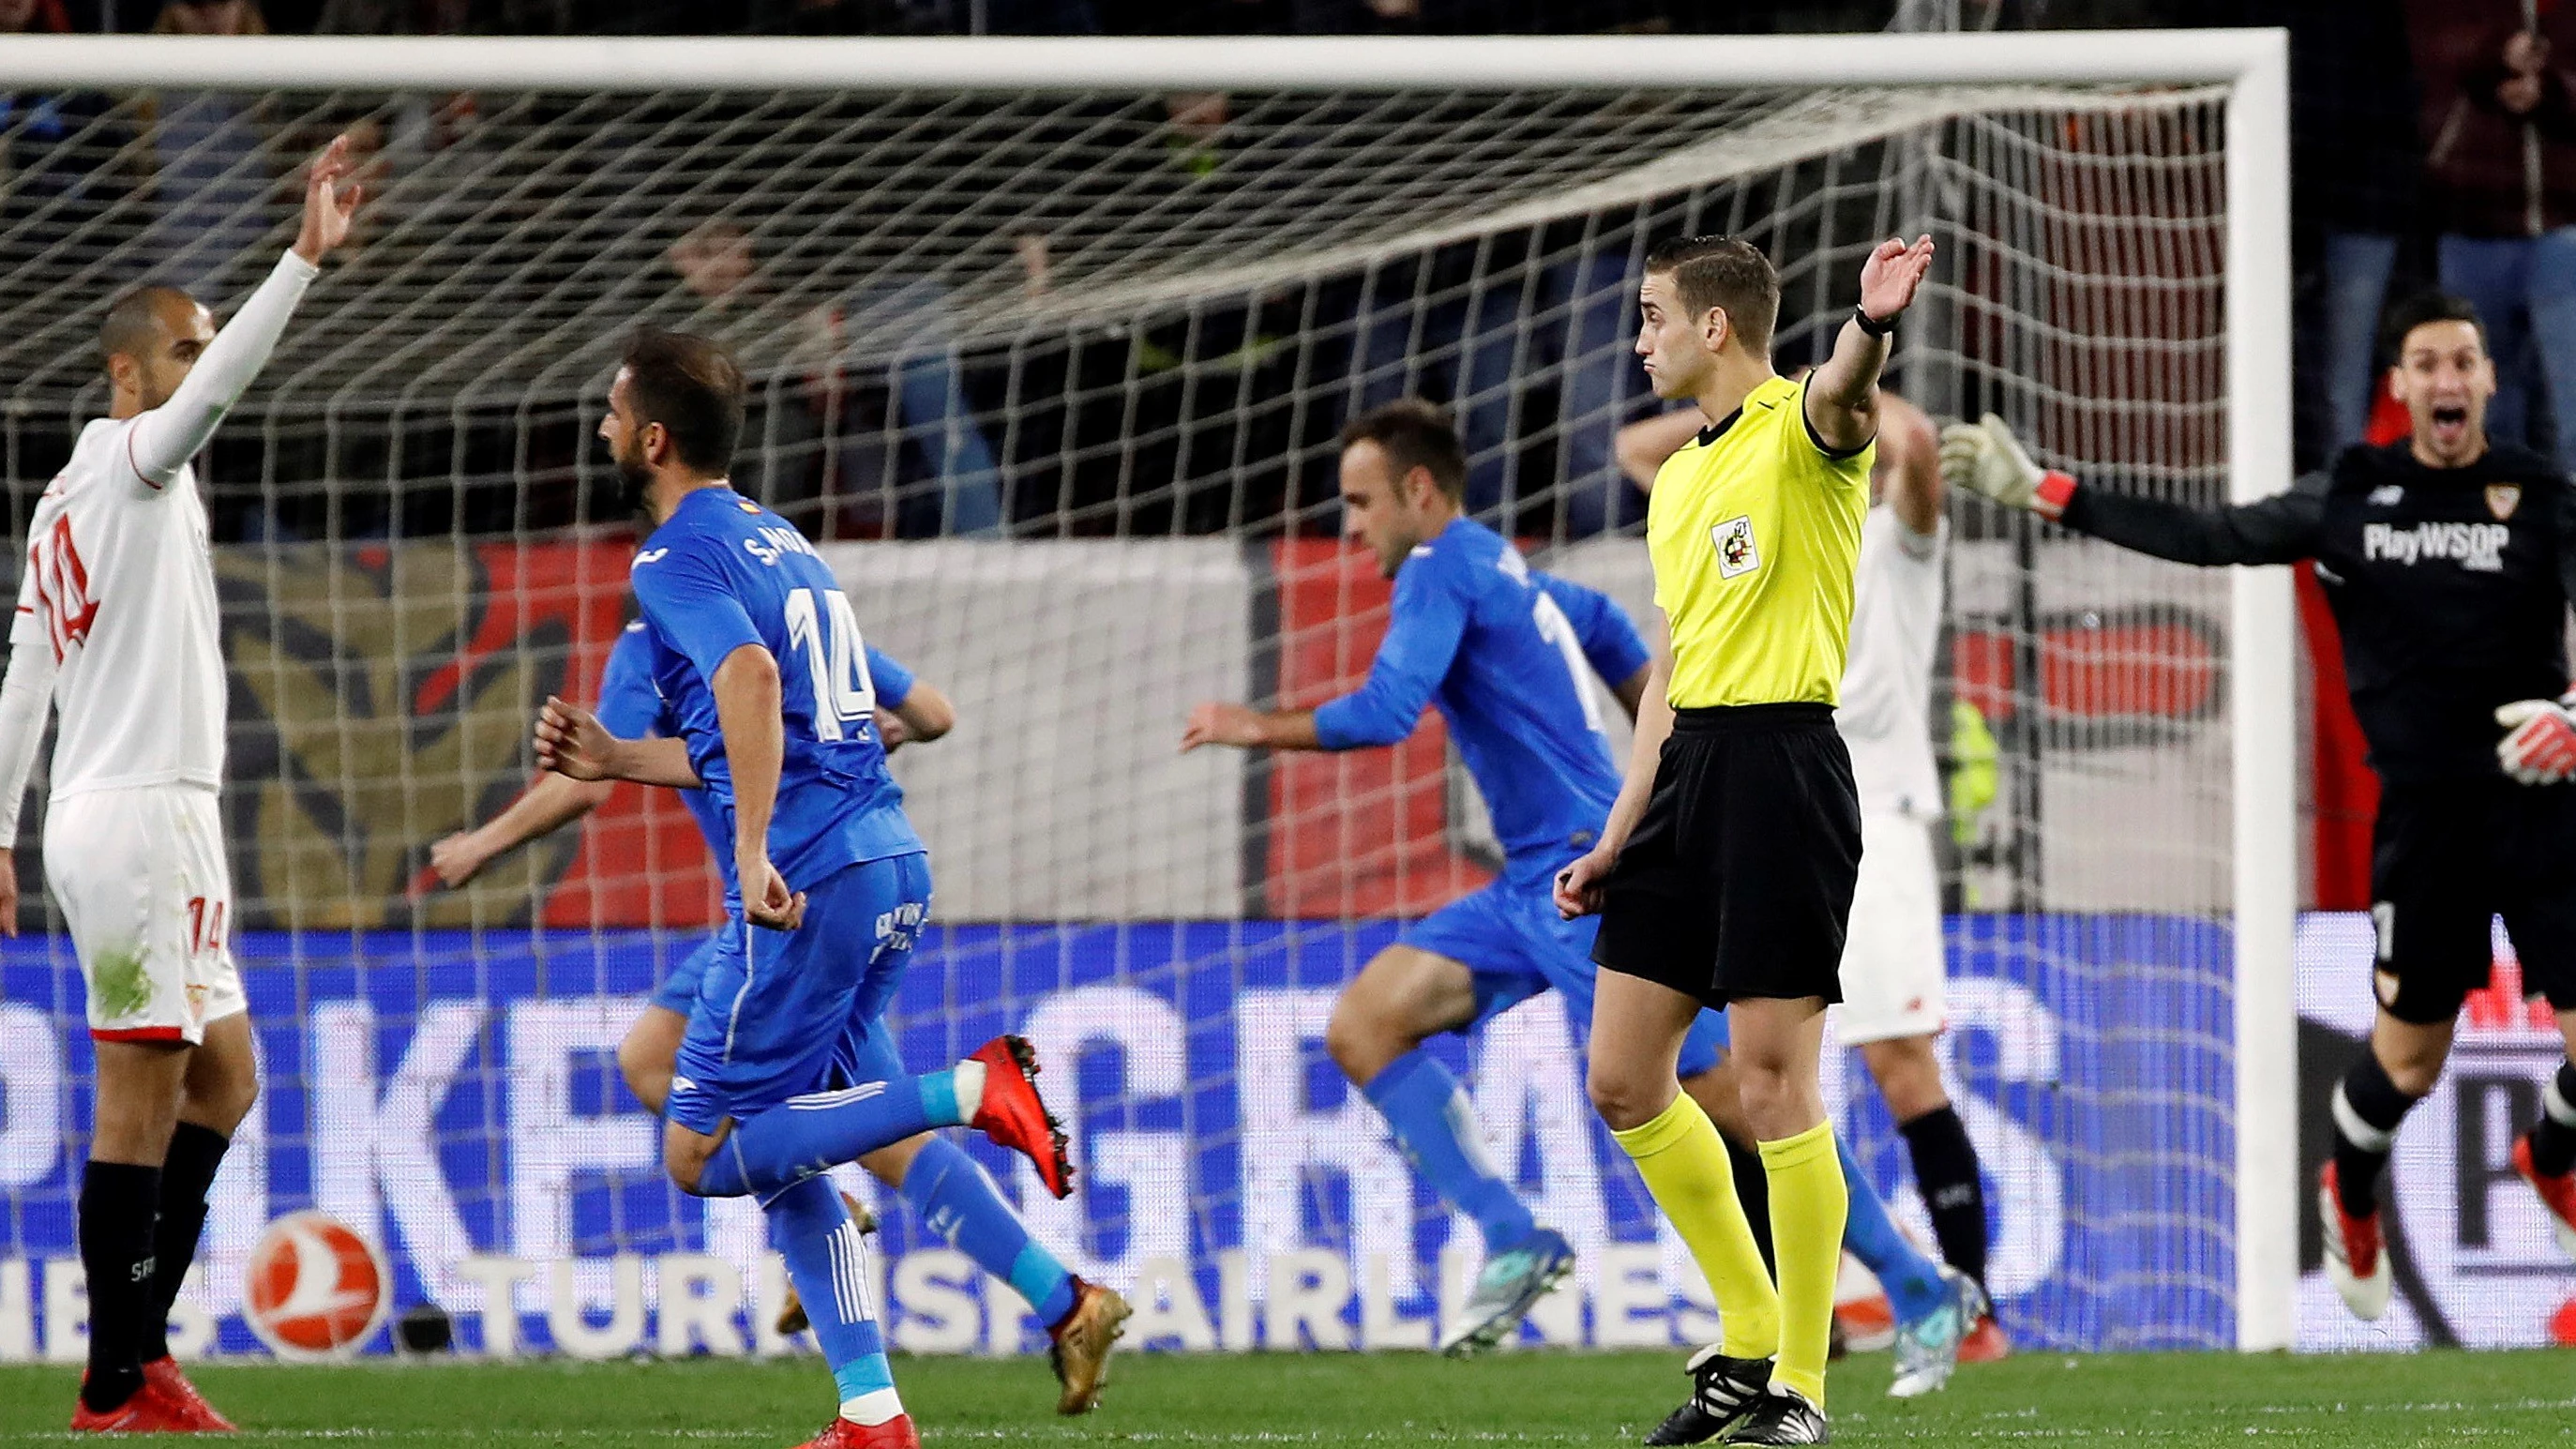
222, 1102
2411, 1053
1908, 1072
2415, 1074
646, 1068
684, 1156
1627, 1101
1361, 1040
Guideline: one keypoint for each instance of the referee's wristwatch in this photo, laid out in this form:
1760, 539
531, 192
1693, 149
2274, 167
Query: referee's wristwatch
1872, 325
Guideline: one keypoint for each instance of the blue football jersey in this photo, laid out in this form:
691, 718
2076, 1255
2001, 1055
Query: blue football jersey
723, 572
631, 708
1502, 652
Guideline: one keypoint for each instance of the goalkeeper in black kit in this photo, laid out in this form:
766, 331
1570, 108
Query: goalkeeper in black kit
2449, 562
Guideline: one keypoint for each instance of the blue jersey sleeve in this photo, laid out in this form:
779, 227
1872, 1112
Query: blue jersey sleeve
628, 704
1609, 638
893, 682
685, 597
1422, 633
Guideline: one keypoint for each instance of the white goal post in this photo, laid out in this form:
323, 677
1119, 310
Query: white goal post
2251, 65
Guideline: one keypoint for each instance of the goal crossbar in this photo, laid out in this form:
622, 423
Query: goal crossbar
1268, 63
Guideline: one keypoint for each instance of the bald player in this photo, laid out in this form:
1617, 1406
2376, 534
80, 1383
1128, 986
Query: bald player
118, 629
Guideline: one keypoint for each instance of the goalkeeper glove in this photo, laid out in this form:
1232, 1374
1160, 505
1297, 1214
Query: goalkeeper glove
1986, 459
2540, 748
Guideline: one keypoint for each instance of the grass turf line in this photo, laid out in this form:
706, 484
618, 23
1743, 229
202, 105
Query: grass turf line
2488, 1399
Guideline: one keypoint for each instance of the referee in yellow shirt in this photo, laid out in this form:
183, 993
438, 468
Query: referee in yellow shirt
1724, 875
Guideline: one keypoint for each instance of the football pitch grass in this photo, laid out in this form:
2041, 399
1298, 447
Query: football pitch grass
1343, 1399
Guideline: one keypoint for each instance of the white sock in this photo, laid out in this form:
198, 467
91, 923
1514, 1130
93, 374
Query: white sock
967, 1078
872, 1408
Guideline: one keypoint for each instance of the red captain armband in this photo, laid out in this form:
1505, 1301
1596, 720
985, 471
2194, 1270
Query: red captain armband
2054, 492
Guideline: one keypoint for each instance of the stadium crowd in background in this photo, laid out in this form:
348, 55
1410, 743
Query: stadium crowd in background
2434, 142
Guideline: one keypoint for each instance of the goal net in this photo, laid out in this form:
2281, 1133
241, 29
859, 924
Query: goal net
1052, 375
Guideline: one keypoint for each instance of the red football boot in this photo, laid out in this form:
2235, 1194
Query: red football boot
162, 1376
2558, 1194
147, 1412
2355, 1263
1985, 1343
894, 1433
1012, 1115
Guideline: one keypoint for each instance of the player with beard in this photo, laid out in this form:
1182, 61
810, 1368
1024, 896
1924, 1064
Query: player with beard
783, 1071
2449, 562
944, 1187
119, 630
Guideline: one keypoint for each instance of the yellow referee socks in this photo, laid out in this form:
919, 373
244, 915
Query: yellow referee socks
1684, 1164
1808, 1202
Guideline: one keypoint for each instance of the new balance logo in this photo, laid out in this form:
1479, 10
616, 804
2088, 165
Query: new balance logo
2476, 546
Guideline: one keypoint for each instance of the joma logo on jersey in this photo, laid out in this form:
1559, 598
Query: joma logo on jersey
774, 543
2478, 546
1735, 551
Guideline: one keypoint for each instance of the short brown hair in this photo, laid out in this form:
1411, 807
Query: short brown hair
1727, 273
1414, 434
693, 388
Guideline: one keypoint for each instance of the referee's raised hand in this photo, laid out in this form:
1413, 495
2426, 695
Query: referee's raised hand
1889, 278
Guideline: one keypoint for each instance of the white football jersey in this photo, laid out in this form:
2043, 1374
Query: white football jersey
1885, 716
120, 586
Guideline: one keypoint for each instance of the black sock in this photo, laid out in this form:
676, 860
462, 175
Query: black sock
2553, 1142
118, 1203
2367, 1108
1945, 1168
1753, 1186
186, 1176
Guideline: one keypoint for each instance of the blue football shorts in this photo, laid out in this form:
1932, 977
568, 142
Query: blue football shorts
780, 1014
1512, 940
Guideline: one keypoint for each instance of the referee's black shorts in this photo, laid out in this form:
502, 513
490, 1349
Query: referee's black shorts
2449, 856
1737, 882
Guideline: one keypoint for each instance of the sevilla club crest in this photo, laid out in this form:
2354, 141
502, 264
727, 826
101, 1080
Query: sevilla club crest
2503, 499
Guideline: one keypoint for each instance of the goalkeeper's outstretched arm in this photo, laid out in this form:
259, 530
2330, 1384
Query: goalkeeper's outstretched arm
1985, 458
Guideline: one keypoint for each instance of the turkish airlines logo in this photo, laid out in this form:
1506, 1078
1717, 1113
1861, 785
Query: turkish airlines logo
62, 588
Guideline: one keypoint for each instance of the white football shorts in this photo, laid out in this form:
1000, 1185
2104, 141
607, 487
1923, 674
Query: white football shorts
1893, 963
142, 881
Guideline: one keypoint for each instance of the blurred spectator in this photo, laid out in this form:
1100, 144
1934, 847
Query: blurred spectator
212, 178
53, 147
392, 17
2355, 169
33, 17
2499, 119
899, 323
1434, 327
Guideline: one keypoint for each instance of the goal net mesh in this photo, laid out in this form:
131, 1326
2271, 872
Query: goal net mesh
1054, 381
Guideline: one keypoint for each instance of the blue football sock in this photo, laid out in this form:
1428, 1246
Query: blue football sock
814, 1133
1432, 1123
828, 1264
1912, 1281
961, 1204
